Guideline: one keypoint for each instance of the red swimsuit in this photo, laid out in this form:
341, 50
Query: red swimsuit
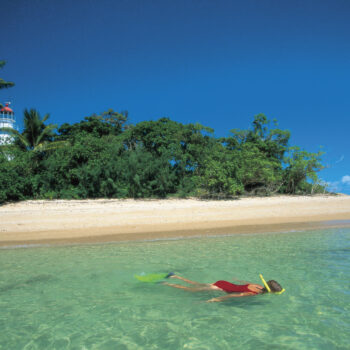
233, 288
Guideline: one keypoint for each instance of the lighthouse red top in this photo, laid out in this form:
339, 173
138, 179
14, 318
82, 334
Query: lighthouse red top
6, 109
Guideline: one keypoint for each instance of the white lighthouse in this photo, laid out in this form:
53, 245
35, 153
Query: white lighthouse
7, 120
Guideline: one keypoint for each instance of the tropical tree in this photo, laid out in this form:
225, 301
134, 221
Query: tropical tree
220, 174
300, 167
15, 176
106, 123
107, 157
36, 136
5, 84
259, 154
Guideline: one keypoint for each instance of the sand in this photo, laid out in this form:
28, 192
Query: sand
102, 220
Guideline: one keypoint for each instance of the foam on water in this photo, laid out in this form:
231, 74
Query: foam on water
85, 297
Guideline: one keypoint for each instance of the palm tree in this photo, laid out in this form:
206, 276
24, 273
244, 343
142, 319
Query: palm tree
36, 136
5, 84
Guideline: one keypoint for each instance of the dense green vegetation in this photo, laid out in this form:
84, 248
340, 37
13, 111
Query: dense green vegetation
105, 156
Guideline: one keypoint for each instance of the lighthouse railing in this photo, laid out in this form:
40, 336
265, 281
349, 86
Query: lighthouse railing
7, 121
7, 117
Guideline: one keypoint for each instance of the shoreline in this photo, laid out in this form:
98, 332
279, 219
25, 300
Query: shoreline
177, 235
98, 221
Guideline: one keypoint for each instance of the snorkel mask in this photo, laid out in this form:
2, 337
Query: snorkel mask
267, 286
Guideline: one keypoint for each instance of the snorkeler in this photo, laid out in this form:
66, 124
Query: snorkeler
232, 290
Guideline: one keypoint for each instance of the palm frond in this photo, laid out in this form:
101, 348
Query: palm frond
18, 135
45, 118
5, 84
46, 132
50, 146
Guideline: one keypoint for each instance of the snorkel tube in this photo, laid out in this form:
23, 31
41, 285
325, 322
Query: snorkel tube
267, 286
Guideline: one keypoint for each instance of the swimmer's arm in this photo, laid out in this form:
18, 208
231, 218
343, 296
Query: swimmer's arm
225, 297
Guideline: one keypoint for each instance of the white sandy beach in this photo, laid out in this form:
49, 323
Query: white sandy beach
64, 221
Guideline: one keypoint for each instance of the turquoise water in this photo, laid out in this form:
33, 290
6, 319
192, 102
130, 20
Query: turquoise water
85, 297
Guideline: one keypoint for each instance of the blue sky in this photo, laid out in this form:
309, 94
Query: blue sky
218, 63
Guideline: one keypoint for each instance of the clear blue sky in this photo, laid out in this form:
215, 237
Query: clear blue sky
218, 63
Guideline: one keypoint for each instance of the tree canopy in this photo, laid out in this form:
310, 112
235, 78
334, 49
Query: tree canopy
105, 156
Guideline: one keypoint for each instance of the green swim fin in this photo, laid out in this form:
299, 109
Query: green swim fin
153, 277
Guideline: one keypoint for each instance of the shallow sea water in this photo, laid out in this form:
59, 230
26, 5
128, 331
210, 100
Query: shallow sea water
85, 297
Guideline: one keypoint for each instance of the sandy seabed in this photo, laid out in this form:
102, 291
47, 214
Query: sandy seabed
108, 220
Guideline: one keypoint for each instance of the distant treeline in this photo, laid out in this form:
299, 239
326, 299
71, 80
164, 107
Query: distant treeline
105, 156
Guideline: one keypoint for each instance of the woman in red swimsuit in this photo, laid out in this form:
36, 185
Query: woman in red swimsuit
232, 290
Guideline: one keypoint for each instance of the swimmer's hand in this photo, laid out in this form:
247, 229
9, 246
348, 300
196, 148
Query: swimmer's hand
257, 288
213, 300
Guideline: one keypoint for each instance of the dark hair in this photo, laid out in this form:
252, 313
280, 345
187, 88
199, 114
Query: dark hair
274, 286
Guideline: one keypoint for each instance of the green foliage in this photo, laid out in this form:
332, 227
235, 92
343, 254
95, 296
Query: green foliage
301, 166
15, 175
36, 136
103, 156
107, 123
259, 156
5, 84
220, 173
